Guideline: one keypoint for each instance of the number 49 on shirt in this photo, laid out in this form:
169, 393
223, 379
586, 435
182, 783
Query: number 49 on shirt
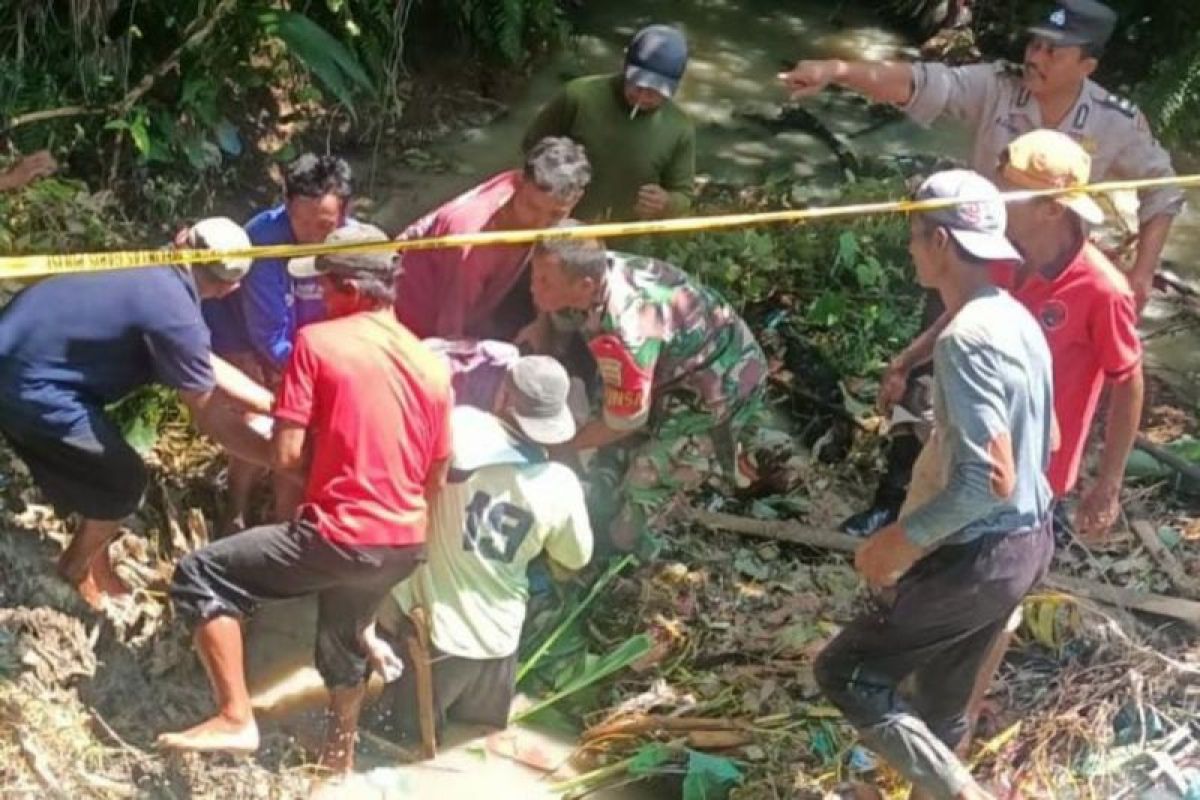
495, 530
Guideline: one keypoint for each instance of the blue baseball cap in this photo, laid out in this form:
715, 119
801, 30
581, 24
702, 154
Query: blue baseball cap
656, 59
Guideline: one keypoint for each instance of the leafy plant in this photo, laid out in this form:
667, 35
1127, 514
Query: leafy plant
333, 64
591, 671
847, 288
508, 30
1172, 97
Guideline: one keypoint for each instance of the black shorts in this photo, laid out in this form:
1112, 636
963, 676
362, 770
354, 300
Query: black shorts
232, 576
92, 472
472, 690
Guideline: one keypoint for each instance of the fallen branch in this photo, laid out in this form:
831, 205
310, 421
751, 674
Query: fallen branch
1165, 558
649, 723
780, 530
195, 35
1175, 607
51, 113
1165, 456
784, 531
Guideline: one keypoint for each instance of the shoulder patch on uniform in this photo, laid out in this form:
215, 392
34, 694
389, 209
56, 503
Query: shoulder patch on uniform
1117, 103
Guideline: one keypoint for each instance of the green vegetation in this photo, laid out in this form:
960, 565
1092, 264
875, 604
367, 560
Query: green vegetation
131, 89
846, 288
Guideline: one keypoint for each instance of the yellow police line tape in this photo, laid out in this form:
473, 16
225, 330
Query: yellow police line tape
33, 266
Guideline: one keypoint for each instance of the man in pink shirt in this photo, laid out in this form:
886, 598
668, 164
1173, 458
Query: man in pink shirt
460, 292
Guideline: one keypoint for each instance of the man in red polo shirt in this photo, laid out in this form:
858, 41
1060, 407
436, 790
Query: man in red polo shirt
1087, 310
362, 419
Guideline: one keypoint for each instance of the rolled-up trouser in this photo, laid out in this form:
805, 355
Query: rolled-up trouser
938, 629
232, 576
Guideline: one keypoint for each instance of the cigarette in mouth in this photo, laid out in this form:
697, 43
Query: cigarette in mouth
633, 112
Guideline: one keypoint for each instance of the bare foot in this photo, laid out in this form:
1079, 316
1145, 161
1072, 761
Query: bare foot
337, 757
89, 591
106, 578
214, 735
337, 752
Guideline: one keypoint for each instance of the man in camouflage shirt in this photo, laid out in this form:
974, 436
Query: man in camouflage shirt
682, 375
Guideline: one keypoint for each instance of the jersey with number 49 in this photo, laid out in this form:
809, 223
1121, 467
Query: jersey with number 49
503, 504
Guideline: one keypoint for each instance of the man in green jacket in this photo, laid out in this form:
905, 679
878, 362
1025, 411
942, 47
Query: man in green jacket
641, 145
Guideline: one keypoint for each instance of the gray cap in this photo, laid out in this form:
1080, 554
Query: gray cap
978, 221
1078, 23
221, 233
656, 59
537, 388
381, 263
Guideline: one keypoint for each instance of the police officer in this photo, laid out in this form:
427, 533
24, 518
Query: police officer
1001, 101
1052, 89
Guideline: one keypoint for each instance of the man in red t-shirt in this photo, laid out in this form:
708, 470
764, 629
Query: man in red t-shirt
1086, 309
362, 420
483, 292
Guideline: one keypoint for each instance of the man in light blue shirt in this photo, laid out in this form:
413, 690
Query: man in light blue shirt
962, 560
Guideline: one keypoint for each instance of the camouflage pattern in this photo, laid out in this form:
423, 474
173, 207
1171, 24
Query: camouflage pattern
678, 363
657, 333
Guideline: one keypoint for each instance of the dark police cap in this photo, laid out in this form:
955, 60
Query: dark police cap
1078, 23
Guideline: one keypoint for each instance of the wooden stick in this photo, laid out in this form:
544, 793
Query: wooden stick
645, 723
1165, 558
1177, 608
417, 642
1185, 610
781, 530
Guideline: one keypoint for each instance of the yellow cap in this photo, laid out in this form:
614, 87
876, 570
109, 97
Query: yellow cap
1045, 159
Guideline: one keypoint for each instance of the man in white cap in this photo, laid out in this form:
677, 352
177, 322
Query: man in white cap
963, 559
640, 143
505, 503
71, 345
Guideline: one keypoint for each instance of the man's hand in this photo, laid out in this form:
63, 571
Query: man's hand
1098, 510
892, 386
1142, 285
534, 338
652, 201
886, 556
808, 78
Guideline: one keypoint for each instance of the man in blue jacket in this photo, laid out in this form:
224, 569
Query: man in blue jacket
254, 327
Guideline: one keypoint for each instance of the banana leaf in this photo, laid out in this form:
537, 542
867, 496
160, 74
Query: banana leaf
616, 660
